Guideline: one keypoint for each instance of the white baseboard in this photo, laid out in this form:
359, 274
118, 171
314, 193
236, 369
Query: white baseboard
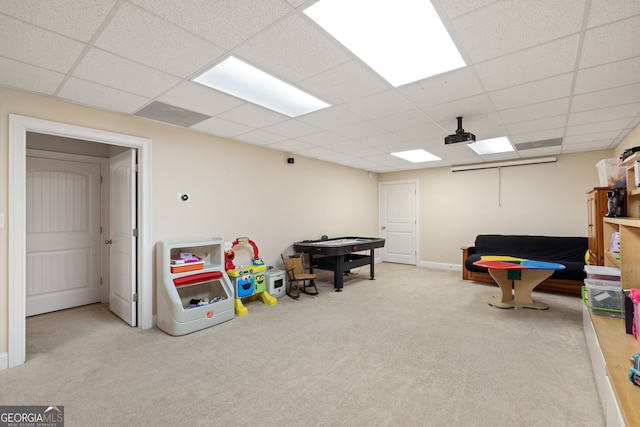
4, 361
440, 265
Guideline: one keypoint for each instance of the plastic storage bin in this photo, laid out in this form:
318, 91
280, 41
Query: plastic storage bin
188, 301
603, 299
598, 272
611, 173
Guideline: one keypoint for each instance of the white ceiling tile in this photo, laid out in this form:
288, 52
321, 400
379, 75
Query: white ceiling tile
290, 145
145, 38
292, 37
522, 81
403, 121
253, 115
538, 124
345, 82
107, 98
220, 127
466, 107
260, 137
223, 22
315, 152
531, 93
381, 141
110, 70
78, 19
508, 26
535, 111
603, 114
597, 127
196, 97
446, 87
379, 105
605, 11
610, 75
429, 131
35, 46
592, 137
539, 62
322, 138
330, 117
606, 98
292, 128
586, 146
536, 136
296, 3
609, 43
359, 130
27, 77
454, 8
482, 123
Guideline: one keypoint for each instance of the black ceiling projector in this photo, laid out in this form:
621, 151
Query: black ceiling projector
460, 135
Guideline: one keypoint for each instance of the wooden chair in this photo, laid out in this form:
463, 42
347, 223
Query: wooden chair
297, 272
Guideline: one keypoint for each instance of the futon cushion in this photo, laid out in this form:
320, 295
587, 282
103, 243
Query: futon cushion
563, 250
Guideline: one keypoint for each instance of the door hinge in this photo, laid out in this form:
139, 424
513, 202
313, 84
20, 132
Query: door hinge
100, 179
135, 297
101, 280
135, 168
100, 229
135, 232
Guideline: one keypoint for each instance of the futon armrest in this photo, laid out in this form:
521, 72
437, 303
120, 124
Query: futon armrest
466, 251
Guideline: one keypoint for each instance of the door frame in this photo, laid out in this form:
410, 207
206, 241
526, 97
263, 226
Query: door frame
416, 183
18, 128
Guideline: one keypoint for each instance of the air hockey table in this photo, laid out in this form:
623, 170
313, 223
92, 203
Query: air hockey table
340, 255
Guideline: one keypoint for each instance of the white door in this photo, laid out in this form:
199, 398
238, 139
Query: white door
122, 241
398, 221
63, 245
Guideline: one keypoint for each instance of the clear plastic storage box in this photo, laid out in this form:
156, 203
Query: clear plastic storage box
602, 298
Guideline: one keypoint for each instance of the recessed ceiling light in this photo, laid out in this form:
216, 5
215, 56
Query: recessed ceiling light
491, 146
244, 81
402, 40
416, 156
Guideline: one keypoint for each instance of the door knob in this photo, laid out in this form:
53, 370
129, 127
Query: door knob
108, 242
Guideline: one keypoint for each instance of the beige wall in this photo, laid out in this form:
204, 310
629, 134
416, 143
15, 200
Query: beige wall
544, 199
631, 140
237, 189
244, 190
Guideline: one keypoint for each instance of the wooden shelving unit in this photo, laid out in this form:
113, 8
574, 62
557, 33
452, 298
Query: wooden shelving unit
610, 347
597, 207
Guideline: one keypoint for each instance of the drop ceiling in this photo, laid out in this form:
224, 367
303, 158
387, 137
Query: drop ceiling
562, 71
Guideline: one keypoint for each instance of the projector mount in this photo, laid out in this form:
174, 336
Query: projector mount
460, 135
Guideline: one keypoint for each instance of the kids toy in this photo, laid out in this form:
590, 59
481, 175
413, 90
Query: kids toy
229, 255
250, 281
634, 370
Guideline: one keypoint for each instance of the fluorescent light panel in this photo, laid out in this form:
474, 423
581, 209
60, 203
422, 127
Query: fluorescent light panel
491, 146
244, 81
416, 156
402, 40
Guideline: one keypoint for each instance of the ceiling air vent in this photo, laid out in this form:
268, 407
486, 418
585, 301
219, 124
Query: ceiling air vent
171, 114
539, 144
